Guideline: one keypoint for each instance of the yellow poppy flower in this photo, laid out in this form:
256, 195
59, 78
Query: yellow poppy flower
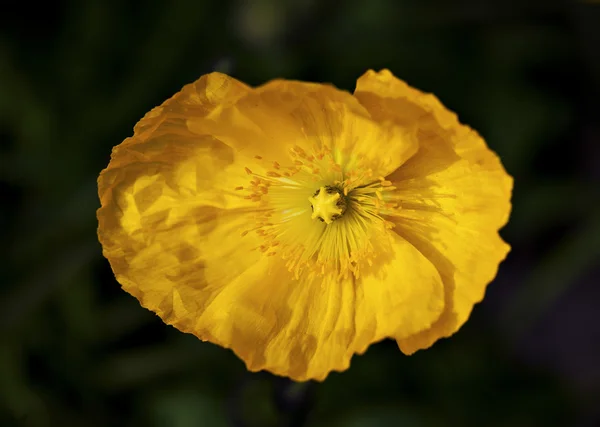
296, 223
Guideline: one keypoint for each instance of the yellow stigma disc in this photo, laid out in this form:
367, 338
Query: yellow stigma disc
328, 204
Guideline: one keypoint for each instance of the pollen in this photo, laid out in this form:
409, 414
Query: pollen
350, 203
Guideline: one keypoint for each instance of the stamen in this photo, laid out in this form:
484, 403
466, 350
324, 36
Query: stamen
350, 204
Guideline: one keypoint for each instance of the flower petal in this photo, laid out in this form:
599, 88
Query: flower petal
306, 328
180, 164
169, 208
399, 296
301, 329
454, 196
171, 270
281, 115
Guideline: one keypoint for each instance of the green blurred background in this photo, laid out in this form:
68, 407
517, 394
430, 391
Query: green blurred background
75, 76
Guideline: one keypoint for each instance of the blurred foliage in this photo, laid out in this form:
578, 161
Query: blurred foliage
75, 76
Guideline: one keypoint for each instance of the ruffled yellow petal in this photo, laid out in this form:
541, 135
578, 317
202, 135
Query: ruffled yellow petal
284, 119
304, 328
400, 295
454, 195
168, 205
187, 165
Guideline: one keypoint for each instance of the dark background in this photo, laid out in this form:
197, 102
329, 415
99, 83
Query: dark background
75, 76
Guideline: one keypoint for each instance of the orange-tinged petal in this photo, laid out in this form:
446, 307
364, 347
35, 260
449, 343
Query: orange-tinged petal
308, 327
400, 295
452, 217
170, 269
301, 329
333, 118
454, 195
168, 200
184, 165
389, 99
275, 118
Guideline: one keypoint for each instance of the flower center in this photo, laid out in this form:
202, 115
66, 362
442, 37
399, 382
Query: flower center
328, 204
351, 204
